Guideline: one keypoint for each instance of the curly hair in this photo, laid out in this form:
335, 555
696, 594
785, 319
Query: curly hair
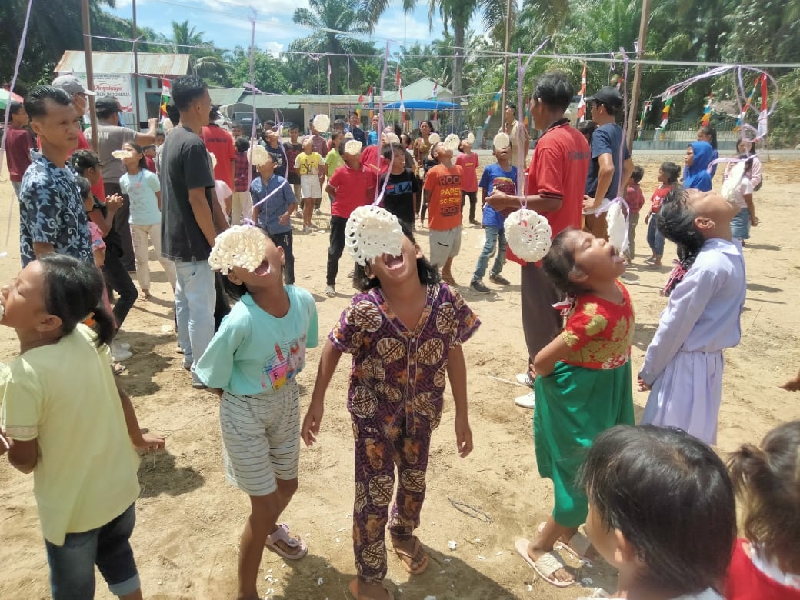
676, 223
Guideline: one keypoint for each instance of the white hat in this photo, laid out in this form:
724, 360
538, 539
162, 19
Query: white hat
71, 84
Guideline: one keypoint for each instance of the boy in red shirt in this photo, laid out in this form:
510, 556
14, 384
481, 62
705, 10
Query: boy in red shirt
635, 201
442, 192
19, 142
468, 161
350, 186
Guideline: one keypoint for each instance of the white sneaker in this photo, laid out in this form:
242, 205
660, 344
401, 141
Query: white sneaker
119, 354
524, 379
123, 345
317, 211
330, 291
526, 401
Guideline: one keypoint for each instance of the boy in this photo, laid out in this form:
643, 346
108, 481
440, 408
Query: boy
635, 200
502, 177
350, 187
274, 215
402, 189
442, 195
308, 165
293, 148
19, 143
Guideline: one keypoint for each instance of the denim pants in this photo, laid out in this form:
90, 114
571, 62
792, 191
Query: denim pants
195, 298
494, 237
108, 547
654, 237
284, 240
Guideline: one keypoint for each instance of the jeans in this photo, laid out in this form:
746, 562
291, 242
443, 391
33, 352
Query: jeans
108, 547
117, 279
142, 236
494, 237
473, 202
654, 237
284, 240
121, 220
194, 307
16, 185
335, 248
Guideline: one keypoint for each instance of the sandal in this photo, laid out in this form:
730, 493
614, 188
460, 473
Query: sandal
545, 566
419, 556
354, 591
578, 546
449, 281
281, 534
119, 368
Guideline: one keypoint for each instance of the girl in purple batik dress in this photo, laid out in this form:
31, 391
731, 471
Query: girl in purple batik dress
405, 334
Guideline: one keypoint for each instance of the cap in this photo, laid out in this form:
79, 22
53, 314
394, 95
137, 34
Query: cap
107, 104
607, 94
71, 85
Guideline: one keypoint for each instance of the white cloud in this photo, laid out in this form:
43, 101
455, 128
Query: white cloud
273, 48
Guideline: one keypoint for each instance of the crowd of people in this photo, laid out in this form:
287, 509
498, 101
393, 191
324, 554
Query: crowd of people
658, 504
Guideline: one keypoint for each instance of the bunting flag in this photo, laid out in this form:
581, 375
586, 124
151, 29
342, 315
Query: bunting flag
371, 95
493, 108
665, 113
646, 109
747, 104
762, 116
398, 80
166, 96
527, 119
329, 76
582, 94
435, 95
707, 111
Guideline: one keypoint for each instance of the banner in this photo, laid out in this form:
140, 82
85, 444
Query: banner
118, 86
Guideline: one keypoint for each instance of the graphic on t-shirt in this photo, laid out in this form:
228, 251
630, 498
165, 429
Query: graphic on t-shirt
505, 185
281, 370
399, 188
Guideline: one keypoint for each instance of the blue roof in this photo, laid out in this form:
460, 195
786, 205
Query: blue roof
422, 105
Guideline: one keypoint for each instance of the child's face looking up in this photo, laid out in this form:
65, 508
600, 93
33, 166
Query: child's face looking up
596, 260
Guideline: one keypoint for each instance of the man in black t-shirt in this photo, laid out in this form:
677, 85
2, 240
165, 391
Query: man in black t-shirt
401, 193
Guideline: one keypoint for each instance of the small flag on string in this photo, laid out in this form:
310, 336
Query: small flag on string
762, 116
707, 111
360, 105
434, 95
329, 76
493, 108
582, 94
371, 102
747, 104
665, 113
647, 106
399, 82
166, 96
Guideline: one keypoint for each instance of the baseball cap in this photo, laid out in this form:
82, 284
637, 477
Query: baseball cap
608, 95
71, 85
107, 104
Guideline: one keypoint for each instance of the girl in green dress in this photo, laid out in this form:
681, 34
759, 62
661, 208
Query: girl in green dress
584, 386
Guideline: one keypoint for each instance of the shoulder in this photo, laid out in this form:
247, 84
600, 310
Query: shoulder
302, 297
148, 174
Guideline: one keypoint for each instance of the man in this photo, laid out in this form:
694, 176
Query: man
220, 143
189, 217
608, 149
51, 213
556, 177
19, 143
317, 141
111, 137
513, 128
276, 151
372, 136
358, 133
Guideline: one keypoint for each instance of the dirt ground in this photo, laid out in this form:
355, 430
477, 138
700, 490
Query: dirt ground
190, 519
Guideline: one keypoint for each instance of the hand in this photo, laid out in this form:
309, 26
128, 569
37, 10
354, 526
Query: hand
150, 441
463, 436
643, 387
789, 386
152, 123
284, 219
311, 423
754, 221
114, 203
590, 203
496, 197
647, 219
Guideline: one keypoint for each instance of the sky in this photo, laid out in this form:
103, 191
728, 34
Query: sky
225, 22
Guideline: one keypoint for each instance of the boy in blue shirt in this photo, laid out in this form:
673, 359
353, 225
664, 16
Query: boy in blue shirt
501, 176
274, 214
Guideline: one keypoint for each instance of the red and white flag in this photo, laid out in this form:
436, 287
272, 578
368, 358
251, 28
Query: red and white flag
399, 83
762, 116
582, 94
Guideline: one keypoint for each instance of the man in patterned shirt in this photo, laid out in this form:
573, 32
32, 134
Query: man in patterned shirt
52, 218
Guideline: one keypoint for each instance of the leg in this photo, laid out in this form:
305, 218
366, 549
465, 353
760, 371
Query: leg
659, 246
194, 306
651, 234
488, 248
633, 221
473, 203
284, 240
166, 264
118, 279
335, 248
182, 274
447, 272
308, 211
545, 541
500, 258
140, 236
454, 238
115, 556
72, 566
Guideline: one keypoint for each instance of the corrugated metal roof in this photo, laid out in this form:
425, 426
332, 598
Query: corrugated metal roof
113, 63
225, 96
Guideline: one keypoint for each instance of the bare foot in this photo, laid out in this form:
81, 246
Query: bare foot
560, 575
145, 295
361, 590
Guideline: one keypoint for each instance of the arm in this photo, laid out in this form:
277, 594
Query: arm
158, 197
541, 204
748, 199
604, 177
145, 139
457, 374
141, 441
331, 191
327, 366
203, 214
545, 361
106, 223
23, 456
627, 171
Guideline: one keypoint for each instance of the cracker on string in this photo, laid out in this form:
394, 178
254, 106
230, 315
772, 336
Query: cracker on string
258, 155
122, 154
353, 147
617, 227
434, 139
321, 123
452, 142
733, 180
372, 231
528, 234
501, 141
241, 246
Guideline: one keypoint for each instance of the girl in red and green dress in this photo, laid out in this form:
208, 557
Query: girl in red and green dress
584, 387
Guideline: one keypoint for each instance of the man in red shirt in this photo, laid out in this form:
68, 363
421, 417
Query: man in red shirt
220, 143
555, 187
19, 142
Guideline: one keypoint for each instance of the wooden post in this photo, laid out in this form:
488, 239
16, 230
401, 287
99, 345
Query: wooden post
135, 71
87, 57
633, 110
502, 108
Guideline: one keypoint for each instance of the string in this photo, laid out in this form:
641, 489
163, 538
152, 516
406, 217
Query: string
520, 135
379, 195
253, 86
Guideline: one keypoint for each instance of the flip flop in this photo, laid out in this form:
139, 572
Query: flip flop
354, 591
281, 534
409, 559
545, 566
577, 546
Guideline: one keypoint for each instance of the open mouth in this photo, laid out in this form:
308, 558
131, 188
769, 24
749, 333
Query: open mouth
615, 257
393, 262
262, 269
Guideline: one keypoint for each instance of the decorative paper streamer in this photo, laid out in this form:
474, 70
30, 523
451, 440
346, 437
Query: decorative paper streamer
528, 234
322, 123
372, 231
707, 111
242, 246
582, 94
665, 113
213, 160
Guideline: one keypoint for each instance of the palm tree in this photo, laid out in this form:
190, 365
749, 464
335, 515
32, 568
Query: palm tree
204, 62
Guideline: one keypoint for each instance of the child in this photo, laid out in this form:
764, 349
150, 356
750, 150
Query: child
334, 160
274, 216
468, 161
708, 133
293, 149
144, 190
150, 157
252, 363
500, 176
442, 192
308, 165
583, 385
61, 389
661, 511
683, 365
241, 204
743, 194
350, 187
635, 200
695, 175
766, 565
667, 178
401, 190
404, 322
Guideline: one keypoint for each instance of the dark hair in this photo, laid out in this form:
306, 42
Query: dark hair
430, 124
173, 114
676, 223
427, 273
398, 129
84, 186
638, 173
390, 150
740, 140
611, 110
554, 89
560, 262
587, 128
139, 150
338, 123
671, 170
72, 291
161, 133
14, 107
36, 100
767, 480
83, 160
186, 90
407, 140
511, 105
106, 107
670, 496
710, 131
242, 143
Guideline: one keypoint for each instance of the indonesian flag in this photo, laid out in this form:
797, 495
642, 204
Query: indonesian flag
582, 102
762, 116
707, 111
166, 96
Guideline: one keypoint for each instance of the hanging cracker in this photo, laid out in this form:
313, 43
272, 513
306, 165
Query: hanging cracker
258, 155
241, 246
322, 123
528, 234
371, 232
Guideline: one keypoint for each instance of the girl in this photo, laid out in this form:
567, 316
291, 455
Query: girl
405, 334
667, 178
252, 363
766, 565
334, 160
743, 198
754, 170
695, 175
309, 165
241, 204
683, 365
142, 187
468, 161
708, 133
60, 390
583, 386
661, 511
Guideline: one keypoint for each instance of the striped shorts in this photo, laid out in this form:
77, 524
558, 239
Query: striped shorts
261, 438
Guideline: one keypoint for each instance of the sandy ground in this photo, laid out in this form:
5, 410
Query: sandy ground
190, 519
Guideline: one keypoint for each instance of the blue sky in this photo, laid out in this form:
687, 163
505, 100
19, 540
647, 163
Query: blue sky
225, 22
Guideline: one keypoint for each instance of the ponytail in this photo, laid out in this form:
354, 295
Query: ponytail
103, 325
676, 223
